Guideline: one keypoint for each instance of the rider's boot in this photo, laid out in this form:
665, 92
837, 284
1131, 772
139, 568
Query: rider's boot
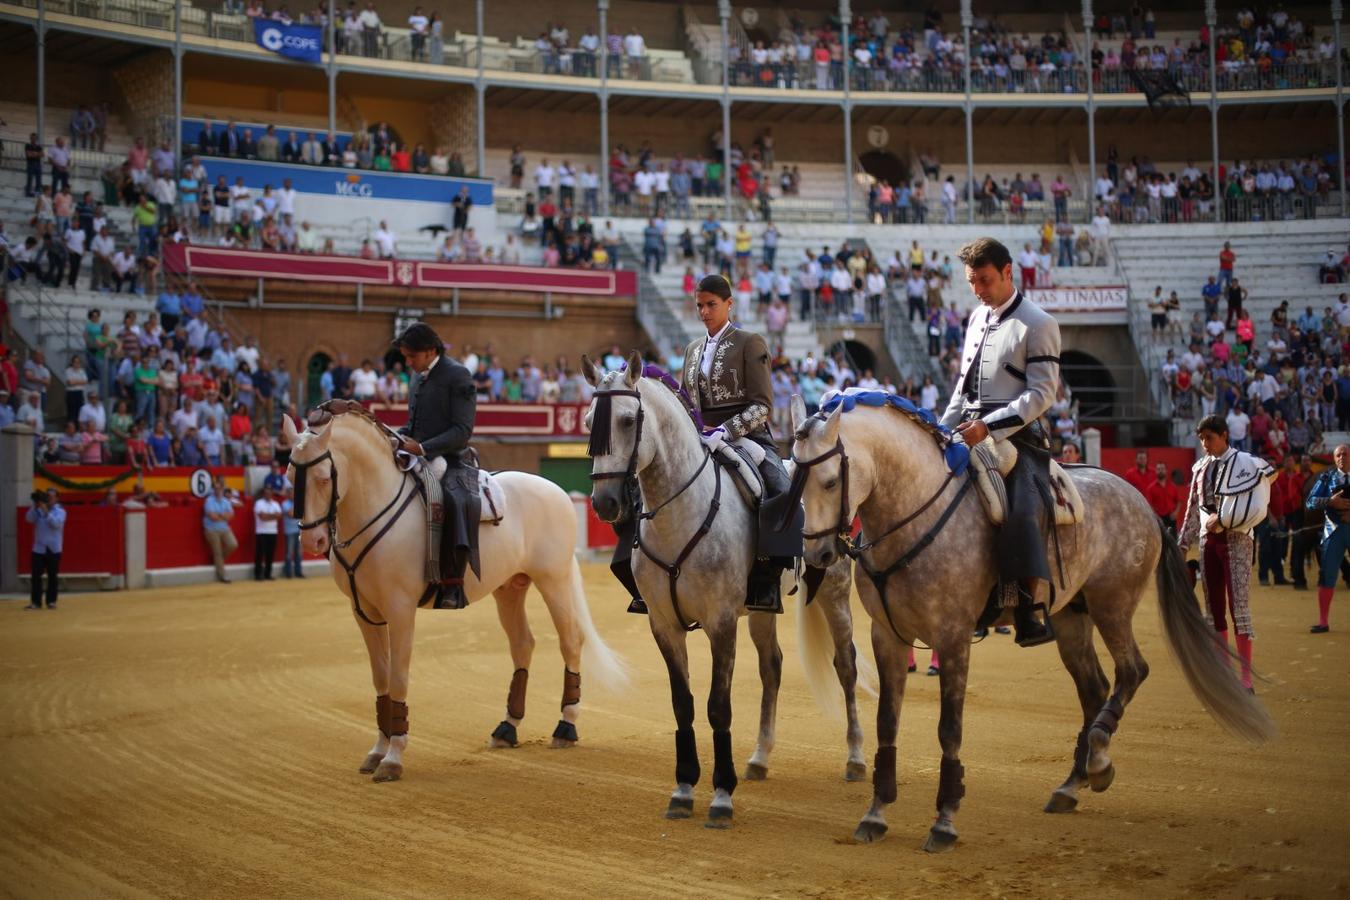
1032, 630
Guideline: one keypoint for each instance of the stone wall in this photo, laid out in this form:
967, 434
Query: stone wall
145, 85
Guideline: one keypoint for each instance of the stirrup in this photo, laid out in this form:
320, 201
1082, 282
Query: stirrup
450, 595
1033, 631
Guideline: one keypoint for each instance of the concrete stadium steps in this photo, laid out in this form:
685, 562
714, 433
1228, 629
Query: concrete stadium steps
58, 326
16, 210
1275, 262
21, 120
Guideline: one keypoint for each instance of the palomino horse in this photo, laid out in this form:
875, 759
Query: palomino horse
692, 560
929, 567
373, 527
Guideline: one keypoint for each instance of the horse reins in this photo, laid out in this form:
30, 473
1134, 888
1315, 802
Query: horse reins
856, 549
672, 570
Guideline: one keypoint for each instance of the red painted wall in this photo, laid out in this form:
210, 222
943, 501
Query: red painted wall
93, 542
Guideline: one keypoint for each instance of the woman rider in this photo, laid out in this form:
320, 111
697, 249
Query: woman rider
726, 373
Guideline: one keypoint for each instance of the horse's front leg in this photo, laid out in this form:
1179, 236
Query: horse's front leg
722, 638
377, 645
892, 667
675, 651
951, 776
834, 600
394, 716
764, 632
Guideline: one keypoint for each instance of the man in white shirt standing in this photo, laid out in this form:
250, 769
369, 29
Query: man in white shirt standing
635, 48
74, 237
543, 179
1026, 264
385, 241
285, 200
1100, 231
266, 515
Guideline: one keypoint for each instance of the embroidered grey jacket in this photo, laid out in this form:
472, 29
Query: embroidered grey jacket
738, 395
1009, 368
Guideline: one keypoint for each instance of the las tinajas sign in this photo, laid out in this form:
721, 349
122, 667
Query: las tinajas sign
1095, 299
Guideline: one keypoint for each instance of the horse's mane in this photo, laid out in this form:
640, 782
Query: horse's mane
326, 411
955, 453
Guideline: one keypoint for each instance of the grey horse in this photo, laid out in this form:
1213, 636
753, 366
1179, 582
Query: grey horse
692, 564
937, 569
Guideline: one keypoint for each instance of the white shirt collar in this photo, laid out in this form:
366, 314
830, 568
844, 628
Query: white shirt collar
709, 345
435, 359
998, 312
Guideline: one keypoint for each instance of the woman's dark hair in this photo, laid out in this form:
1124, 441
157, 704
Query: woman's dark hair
715, 284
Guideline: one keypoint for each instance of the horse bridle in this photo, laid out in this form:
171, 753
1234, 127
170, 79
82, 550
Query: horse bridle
843, 528
329, 519
671, 569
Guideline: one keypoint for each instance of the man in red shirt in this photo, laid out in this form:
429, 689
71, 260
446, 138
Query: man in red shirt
1286, 502
1163, 496
190, 381
1226, 259
1139, 476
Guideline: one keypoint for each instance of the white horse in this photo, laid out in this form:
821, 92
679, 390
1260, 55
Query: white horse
693, 559
366, 514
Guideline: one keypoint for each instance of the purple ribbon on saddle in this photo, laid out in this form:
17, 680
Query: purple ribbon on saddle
661, 375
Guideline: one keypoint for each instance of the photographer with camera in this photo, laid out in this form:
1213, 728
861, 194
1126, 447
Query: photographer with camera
48, 519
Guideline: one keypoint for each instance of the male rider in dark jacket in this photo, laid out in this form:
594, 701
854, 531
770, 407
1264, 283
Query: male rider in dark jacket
440, 423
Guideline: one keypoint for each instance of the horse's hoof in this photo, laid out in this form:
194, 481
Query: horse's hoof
869, 831
387, 771
564, 736
372, 760
680, 808
504, 737
1102, 780
939, 841
855, 771
1061, 803
718, 817
755, 772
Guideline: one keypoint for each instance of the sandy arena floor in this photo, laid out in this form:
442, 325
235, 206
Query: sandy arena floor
203, 742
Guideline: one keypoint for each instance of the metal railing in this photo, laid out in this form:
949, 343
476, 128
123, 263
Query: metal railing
891, 75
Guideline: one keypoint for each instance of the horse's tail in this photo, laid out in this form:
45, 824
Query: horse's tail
603, 666
817, 645
1203, 659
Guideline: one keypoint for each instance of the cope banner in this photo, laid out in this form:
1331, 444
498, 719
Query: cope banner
301, 42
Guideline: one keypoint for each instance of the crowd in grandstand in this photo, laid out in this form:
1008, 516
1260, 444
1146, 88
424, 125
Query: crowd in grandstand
379, 148
1281, 384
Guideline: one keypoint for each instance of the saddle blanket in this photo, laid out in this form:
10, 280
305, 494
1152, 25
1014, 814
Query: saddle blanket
742, 458
991, 461
494, 498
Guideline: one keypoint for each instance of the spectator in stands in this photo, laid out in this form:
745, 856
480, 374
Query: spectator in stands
217, 514
635, 50
48, 518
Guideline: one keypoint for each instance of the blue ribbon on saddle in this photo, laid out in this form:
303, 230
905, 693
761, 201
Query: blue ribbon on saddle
955, 453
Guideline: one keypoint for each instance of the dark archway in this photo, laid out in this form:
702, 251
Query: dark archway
885, 166
859, 355
318, 364
1091, 382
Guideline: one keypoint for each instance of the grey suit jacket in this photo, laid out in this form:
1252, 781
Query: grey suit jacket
1016, 360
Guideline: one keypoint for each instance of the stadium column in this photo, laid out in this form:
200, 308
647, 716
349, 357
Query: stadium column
967, 19
846, 20
1336, 14
178, 83
602, 7
1212, 22
1091, 110
480, 89
16, 484
724, 13
41, 70
332, 67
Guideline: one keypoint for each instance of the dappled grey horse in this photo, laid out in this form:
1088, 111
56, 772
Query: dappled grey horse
928, 568
694, 550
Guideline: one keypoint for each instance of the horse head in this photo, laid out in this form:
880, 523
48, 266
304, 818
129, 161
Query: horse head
312, 470
830, 481
615, 423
